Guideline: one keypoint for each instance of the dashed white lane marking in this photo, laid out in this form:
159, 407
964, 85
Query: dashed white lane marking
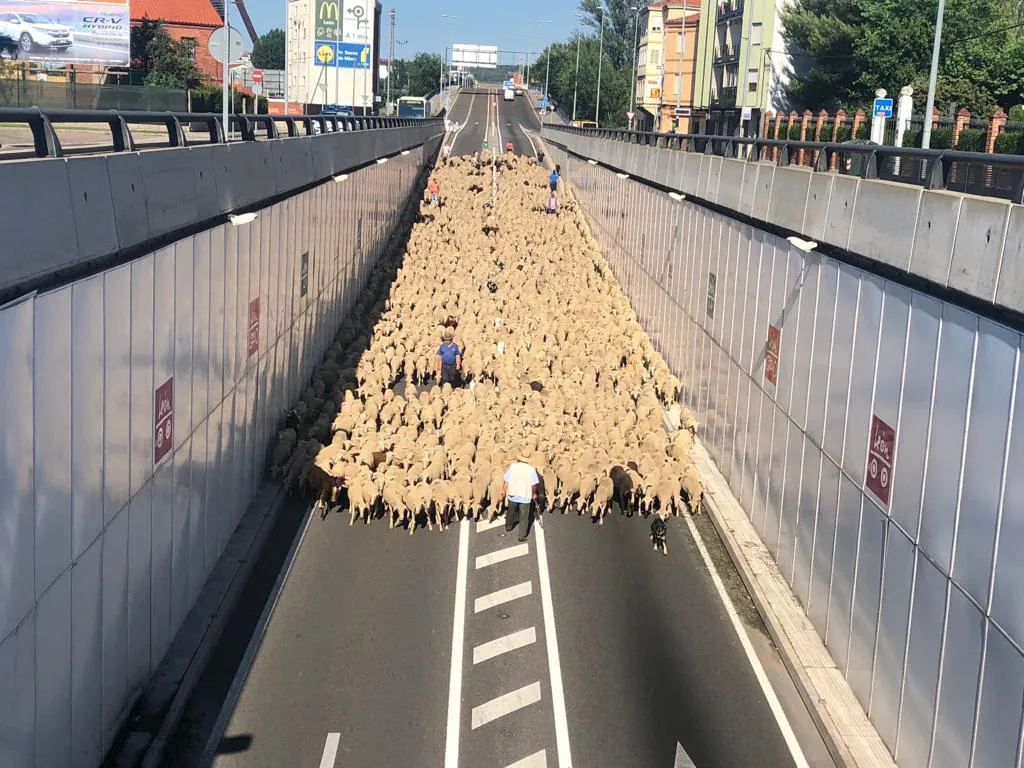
506, 704
536, 760
330, 750
554, 664
517, 550
486, 525
762, 677
451, 748
513, 642
682, 759
502, 596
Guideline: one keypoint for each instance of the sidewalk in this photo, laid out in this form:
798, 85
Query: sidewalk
841, 720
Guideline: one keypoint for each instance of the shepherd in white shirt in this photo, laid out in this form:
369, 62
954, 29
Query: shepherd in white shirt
519, 488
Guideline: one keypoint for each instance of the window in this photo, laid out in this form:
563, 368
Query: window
755, 34
655, 56
752, 80
188, 44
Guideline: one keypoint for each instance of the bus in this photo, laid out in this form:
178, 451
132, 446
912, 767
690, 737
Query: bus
412, 106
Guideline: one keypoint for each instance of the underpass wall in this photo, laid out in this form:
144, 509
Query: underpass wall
138, 408
790, 360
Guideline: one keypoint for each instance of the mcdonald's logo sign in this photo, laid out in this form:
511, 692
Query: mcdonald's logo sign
328, 11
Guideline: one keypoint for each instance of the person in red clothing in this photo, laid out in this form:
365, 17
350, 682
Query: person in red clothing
435, 192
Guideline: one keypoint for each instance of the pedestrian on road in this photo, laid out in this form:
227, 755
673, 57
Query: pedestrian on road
554, 181
449, 358
435, 192
519, 489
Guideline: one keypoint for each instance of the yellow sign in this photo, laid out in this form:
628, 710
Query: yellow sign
328, 10
655, 93
325, 54
364, 56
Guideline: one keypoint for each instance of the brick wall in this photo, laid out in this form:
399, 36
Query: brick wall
209, 67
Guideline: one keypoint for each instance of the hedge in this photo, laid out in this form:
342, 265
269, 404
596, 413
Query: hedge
971, 140
208, 98
1010, 143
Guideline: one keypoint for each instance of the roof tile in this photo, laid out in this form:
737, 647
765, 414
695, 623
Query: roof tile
198, 13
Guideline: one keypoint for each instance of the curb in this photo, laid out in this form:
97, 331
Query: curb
161, 706
849, 735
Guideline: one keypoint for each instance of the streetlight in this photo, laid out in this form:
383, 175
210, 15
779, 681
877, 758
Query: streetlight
402, 43
926, 136
451, 34
600, 61
530, 23
632, 85
576, 79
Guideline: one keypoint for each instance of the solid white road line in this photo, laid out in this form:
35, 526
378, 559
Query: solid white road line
536, 760
502, 596
506, 704
682, 759
330, 750
451, 747
527, 135
486, 525
513, 642
508, 553
497, 123
762, 677
554, 665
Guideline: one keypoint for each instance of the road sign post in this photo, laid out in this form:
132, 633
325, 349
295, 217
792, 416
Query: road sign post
227, 47
881, 110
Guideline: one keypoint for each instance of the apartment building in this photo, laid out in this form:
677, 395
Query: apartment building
742, 64
666, 64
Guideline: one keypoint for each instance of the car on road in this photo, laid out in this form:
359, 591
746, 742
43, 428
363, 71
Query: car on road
31, 31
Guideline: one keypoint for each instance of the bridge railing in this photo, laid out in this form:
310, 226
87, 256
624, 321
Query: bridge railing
977, 173
202, 128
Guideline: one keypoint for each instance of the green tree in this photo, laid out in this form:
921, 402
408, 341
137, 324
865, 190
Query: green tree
824, 32
268, 51
563, 81
160, 61
619, 20
424, 73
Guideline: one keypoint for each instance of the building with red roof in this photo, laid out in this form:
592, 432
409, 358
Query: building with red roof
190, 21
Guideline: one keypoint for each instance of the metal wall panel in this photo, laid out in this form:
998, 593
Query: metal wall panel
87, 654
854, 347
53, 671
88, 362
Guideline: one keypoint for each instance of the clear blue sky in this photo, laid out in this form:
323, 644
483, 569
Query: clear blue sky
419, 21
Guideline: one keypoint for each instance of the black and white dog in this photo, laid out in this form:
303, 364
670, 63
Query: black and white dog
658, 532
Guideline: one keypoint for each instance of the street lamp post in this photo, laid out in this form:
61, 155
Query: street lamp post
926, 135
600, 61
632, 84
576, 80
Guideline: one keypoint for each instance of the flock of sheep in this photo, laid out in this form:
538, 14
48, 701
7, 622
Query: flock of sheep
556, 367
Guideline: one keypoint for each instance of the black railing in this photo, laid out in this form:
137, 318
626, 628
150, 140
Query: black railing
977, 173
726, 96
46, 143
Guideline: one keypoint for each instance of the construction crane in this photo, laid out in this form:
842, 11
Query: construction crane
246, 20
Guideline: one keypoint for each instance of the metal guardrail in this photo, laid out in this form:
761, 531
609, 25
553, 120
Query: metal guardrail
978, 173
46, 142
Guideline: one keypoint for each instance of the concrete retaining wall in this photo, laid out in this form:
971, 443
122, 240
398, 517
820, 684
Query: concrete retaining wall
65, 212
903, 545
966, 243
114, 511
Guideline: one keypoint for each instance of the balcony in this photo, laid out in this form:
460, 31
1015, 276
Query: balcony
727, 56
728, 9
724, 97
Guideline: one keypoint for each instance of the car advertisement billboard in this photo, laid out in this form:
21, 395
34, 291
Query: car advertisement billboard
69, 32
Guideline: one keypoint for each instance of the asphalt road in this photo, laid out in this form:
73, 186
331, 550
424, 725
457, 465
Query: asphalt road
484, 114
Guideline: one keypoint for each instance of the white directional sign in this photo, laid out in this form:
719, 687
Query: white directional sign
483, 56
218, 45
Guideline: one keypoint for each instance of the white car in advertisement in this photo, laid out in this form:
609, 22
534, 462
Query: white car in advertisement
31, 31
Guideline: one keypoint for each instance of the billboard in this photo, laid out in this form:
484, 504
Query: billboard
482, 56
68, 32
343, 33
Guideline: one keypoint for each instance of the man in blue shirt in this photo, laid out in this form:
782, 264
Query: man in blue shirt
449, 358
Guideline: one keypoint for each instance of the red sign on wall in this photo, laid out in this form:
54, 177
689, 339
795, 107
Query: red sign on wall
771, 355
163, 420
254, 326
881, 449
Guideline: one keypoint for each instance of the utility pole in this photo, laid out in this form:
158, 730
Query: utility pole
926, 135
600, 61
547, 74
576, 81
391, 59
337, 69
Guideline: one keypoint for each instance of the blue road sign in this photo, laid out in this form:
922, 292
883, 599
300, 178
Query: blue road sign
345, 55
883, 107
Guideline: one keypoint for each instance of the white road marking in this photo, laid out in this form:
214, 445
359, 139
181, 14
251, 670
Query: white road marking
762, 678
506, 704
508, 553
536, 760
506, 595
497, 122
330, 750
451, 748
527, 135
682, 759
515, 641
486, 525
554, 665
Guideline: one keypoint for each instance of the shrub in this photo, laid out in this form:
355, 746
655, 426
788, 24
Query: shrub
971, 140
843, 134
912, 138
864, 132
942, 138
1010, 143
